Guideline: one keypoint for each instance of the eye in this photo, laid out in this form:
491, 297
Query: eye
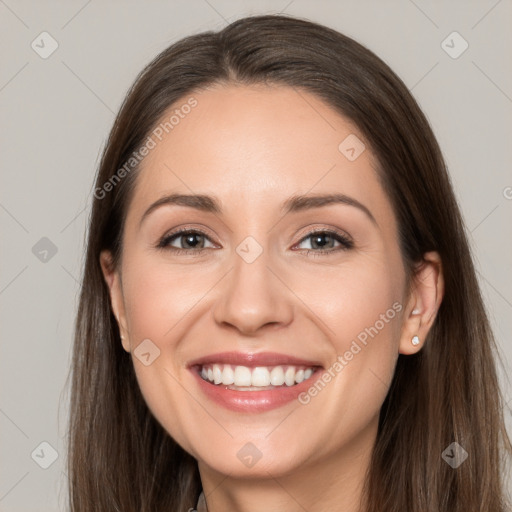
322, 241
192, 240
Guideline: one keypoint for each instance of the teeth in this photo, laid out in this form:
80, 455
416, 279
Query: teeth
289, 376
260, 377
228, 375
217, 374
277, 376
255, 377
242, 376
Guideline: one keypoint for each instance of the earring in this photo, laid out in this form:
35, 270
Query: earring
122, 337
415, 340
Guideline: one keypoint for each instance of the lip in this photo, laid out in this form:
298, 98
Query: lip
252, 401
253, 359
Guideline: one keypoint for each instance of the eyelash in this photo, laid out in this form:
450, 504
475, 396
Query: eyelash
347, 244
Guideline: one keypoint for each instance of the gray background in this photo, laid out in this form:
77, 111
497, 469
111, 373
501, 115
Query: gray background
57, 112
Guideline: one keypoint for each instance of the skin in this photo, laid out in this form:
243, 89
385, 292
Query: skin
253, 147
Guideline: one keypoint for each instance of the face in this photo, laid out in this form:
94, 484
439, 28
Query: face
265, 287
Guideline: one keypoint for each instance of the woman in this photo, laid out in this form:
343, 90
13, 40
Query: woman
279, 308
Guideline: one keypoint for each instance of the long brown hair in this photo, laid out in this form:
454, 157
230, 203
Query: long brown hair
121, 459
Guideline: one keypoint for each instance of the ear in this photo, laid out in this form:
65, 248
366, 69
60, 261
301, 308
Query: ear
113, 280
425, 296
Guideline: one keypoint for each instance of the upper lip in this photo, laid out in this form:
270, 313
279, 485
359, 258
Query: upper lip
251, 359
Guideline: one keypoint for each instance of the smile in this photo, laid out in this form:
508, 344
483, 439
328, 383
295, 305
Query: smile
253, 383
244, 378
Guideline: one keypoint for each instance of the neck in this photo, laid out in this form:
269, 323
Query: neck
332, 482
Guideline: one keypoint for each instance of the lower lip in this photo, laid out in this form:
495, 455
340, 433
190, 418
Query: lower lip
253, 401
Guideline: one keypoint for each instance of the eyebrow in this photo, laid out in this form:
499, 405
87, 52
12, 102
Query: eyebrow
294, 204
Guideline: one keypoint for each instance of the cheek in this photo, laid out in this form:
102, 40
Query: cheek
156, 303
158, 297
360, 307
353, 298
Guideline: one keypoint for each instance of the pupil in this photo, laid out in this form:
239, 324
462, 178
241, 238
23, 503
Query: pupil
190, 239
316, 240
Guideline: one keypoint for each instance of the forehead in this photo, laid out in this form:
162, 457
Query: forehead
253, 147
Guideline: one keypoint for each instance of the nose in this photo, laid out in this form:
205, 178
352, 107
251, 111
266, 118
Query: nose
253, 298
